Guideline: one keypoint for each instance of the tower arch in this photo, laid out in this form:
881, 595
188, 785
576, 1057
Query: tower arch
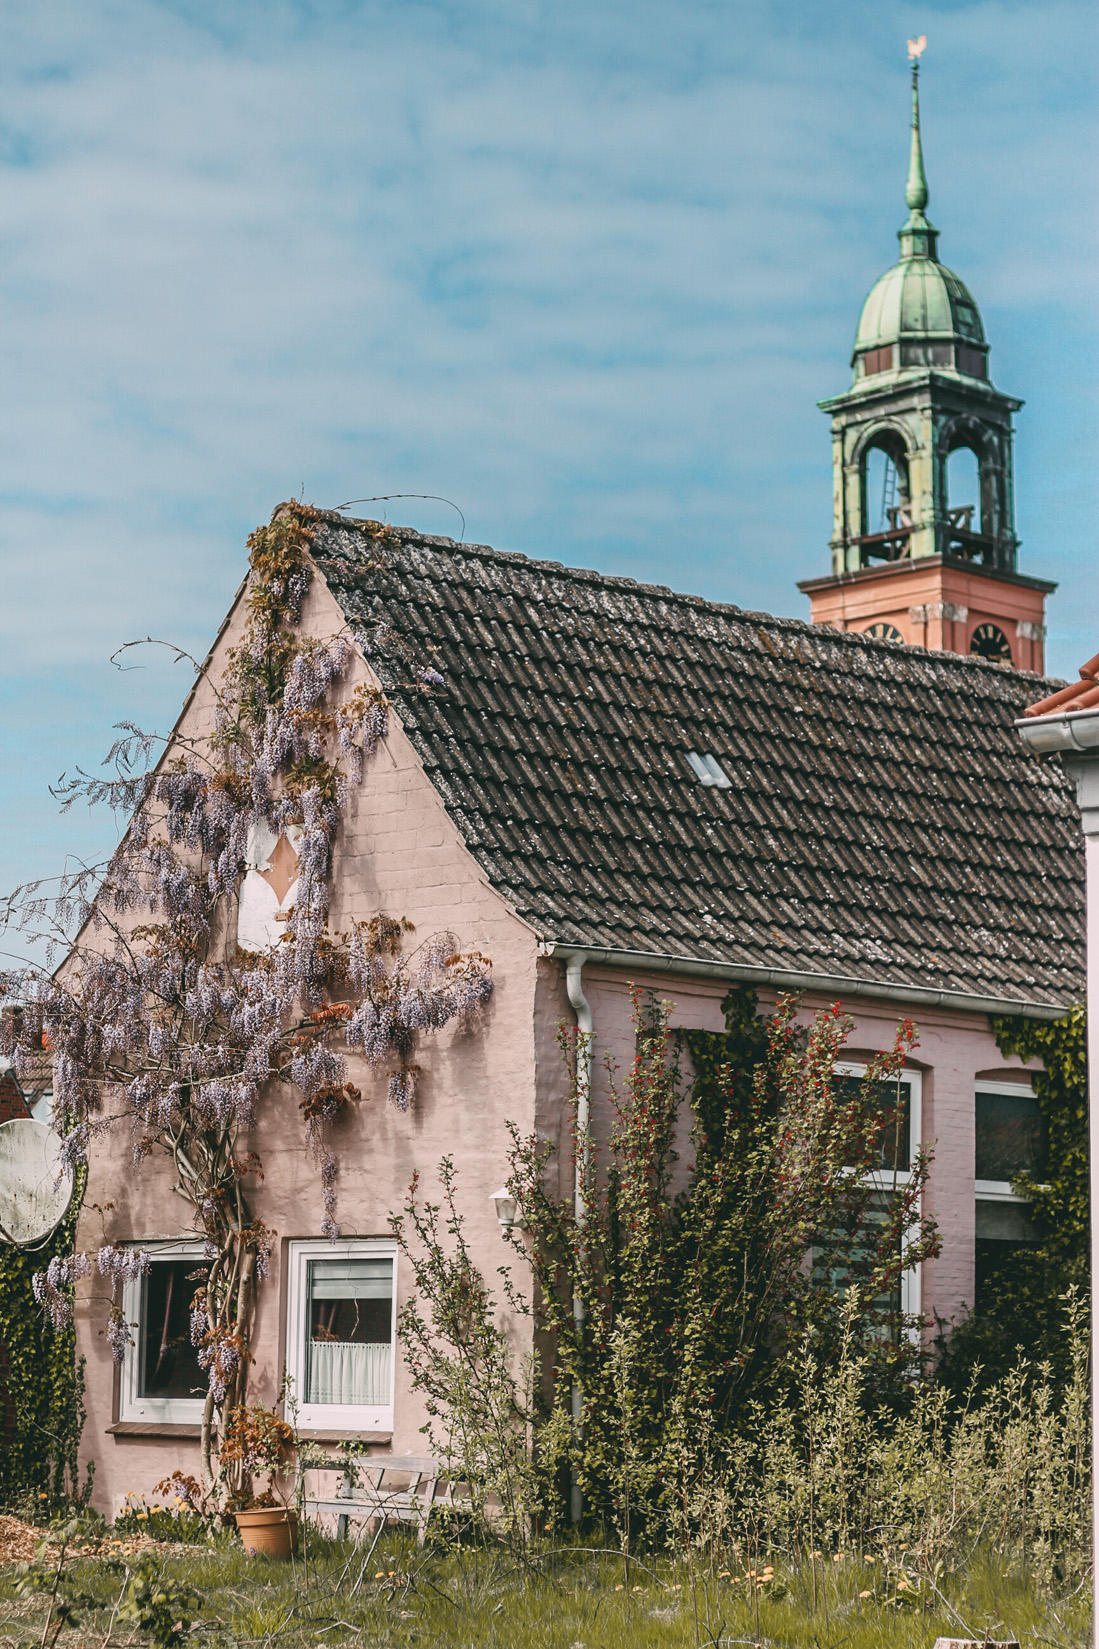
882, 472
986, 533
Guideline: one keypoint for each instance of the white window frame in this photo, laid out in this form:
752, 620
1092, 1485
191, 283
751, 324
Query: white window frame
892, 1180
328, 1417
169, 1411
997, 1190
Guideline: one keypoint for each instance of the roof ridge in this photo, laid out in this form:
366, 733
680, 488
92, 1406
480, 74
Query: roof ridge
618, 581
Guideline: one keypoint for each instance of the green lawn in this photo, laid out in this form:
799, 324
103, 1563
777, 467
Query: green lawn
572, 1597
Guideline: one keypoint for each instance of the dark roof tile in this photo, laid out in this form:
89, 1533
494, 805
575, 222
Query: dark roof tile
883, 820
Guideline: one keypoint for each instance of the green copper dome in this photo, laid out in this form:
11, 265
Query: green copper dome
918, 298
919, 314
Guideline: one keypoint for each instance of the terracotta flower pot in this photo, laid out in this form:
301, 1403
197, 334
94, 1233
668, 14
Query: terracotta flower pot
272, 1530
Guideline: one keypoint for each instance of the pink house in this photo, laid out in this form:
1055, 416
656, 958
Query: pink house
615, 784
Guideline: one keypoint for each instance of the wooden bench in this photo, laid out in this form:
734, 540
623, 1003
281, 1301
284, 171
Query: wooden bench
368, 1492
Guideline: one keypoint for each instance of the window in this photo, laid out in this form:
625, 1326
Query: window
1010, 1137
708, 770
340, 1325
1009, 1140
162, 1381
877, 360
899, 1104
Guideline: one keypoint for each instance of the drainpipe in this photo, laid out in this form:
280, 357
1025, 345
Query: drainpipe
574, 981
1074, 736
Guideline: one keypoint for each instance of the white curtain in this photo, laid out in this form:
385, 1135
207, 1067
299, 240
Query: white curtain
344, 1372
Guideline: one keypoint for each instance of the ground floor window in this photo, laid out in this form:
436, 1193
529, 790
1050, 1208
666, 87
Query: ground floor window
161, 1378
838, 1255
341, 1321
1009, 1140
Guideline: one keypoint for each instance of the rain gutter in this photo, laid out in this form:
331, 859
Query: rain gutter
784, 979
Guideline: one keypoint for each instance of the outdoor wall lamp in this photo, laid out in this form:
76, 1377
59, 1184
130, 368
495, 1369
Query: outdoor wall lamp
507, 1209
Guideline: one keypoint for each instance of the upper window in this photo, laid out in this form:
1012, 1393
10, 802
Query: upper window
162, 1381
877, 360
340, 1331
891, 1103
1010, 1136
897, 1103
1010, 1139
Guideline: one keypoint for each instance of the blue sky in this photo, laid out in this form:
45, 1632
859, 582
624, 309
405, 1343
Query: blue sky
584, 268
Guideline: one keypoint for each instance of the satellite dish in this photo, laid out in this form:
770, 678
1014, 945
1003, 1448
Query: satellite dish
35, 1190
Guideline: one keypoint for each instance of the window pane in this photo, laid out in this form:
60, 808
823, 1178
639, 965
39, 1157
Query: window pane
169, 1362
892, 1102
842, 1258
350, 1313
1009, 1136
1003, 1232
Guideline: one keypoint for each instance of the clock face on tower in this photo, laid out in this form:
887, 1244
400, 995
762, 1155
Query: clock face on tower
989, 641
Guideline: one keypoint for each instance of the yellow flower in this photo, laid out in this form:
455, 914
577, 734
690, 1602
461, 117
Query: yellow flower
902, 1585
869, 1558
142, 1515
865, 1594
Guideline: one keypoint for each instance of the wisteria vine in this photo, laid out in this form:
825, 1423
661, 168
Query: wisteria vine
158, 1019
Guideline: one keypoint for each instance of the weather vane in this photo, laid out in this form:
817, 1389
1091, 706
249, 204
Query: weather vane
916, 48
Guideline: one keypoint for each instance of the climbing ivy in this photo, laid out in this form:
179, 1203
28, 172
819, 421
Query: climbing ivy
1023, 1302
41, 1383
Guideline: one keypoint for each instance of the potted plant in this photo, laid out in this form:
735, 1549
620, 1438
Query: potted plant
257, 1442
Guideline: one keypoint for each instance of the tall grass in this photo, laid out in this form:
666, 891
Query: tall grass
823, 1472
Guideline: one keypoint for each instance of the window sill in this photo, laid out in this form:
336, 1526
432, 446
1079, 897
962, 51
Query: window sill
326, 1434
154, 1428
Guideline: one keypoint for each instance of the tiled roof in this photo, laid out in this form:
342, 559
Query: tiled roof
1078, 695
882, 822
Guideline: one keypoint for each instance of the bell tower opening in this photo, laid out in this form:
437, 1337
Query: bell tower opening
923, 540
886, 512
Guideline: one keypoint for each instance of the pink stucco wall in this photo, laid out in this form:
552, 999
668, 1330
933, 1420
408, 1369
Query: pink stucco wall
954, 1051
401, 853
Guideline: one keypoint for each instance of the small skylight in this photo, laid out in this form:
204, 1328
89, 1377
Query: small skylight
708, 770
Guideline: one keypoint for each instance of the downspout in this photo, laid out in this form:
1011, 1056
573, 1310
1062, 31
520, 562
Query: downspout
585, 1027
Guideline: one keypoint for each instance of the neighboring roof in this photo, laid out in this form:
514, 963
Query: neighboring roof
883, 820
1078, 695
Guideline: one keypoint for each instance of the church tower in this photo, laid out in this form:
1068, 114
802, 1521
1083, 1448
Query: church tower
923, 546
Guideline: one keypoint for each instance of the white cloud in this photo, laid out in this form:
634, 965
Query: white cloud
583, 268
